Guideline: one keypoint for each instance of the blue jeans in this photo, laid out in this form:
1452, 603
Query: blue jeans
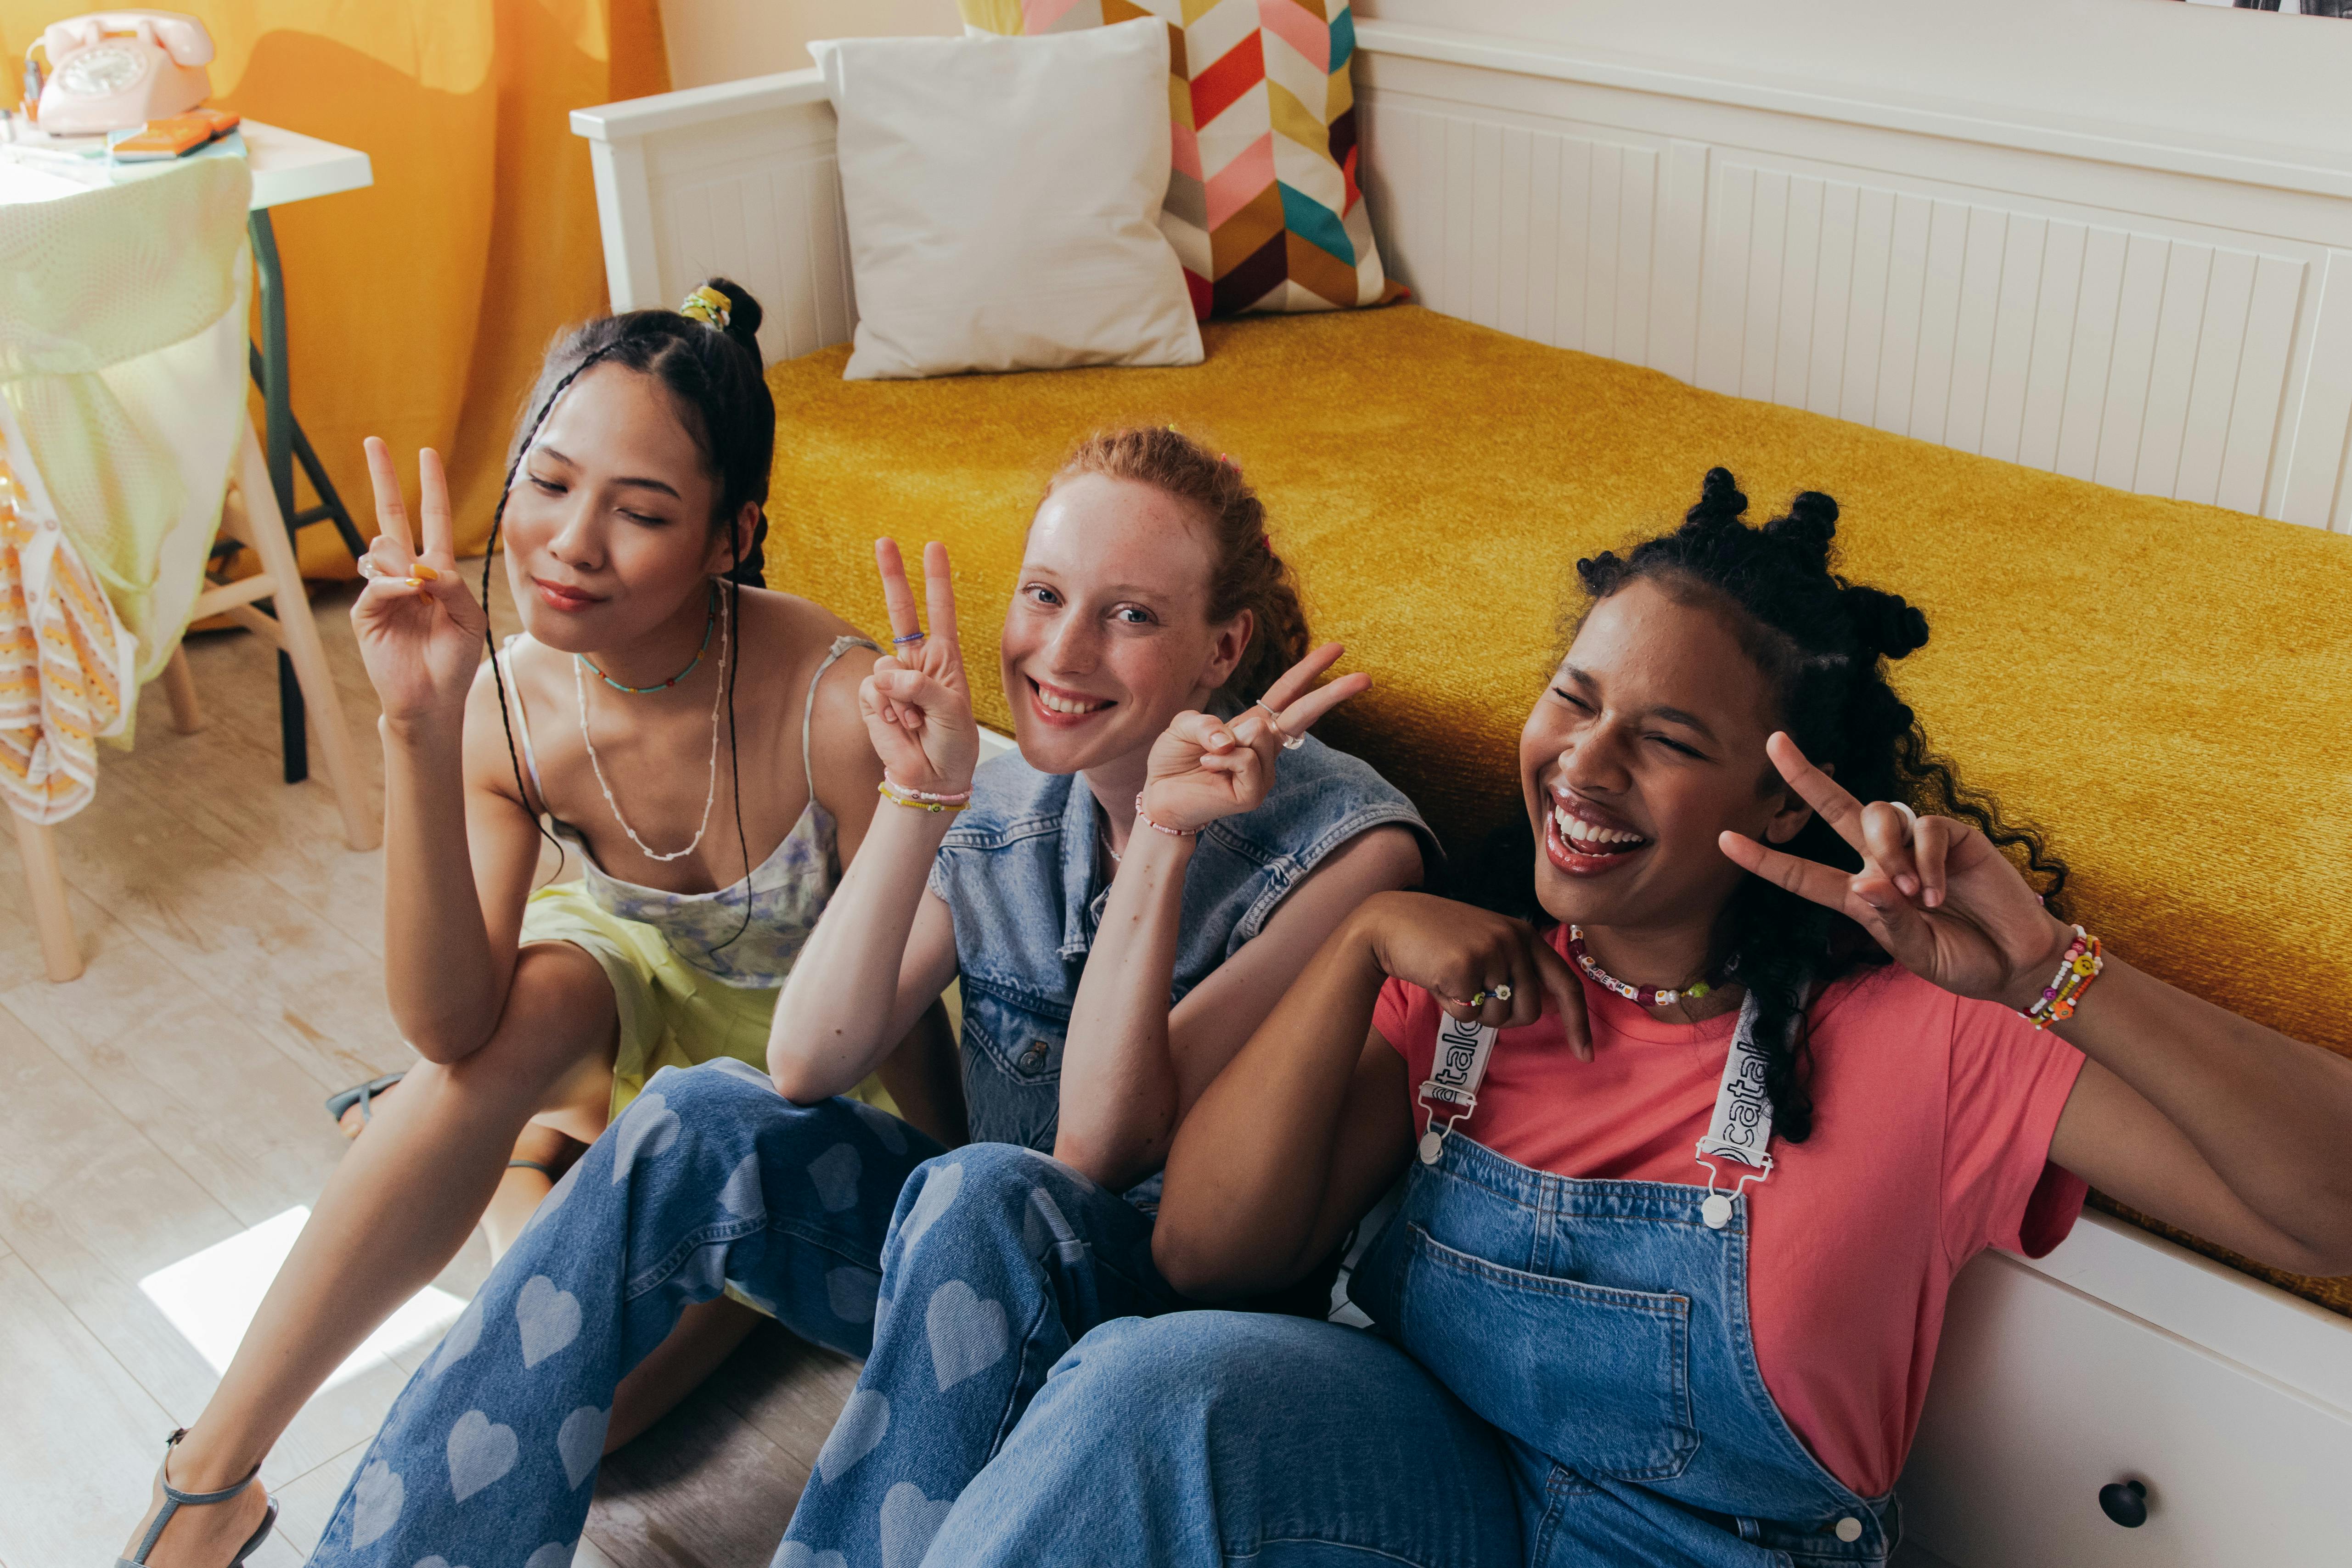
1208, 1438
710, 1178
999, 1259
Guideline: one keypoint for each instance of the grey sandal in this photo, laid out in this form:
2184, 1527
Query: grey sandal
175, 1499
361, 1095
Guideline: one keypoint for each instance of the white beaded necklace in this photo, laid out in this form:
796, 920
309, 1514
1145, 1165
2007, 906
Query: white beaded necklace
580, 690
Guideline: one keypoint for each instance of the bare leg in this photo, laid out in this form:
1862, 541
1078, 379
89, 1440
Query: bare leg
706, 1335
524, 1188
393, 1214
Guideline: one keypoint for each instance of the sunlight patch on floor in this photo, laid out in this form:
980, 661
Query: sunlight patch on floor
211, 1297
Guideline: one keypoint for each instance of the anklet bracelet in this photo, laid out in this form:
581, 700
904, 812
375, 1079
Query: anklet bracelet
1144, 818
913, 803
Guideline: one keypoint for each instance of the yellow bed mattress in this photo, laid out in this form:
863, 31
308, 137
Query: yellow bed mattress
2166, 686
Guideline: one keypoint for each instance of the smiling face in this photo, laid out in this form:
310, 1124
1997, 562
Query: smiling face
1108, 637
608, 531
1649, 744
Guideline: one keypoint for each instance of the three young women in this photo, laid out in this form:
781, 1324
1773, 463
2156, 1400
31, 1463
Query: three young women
1122, 901
1691, 1166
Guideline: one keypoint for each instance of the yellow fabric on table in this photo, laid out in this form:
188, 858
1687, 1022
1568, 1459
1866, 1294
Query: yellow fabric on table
417, 308
2161, 685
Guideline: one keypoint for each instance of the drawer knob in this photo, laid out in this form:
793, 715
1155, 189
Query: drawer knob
2126, 1502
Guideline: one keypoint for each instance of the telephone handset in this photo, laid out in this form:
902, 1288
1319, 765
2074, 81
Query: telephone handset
113, 70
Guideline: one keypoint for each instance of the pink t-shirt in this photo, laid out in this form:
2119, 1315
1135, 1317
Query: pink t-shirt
1932, 1124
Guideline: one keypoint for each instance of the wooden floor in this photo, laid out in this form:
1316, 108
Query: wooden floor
168, 1101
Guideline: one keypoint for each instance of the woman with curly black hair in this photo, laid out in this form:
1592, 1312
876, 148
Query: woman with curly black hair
1693, 1160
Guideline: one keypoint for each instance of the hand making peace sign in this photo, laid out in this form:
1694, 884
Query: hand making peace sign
1204, 767
420, 631
916, 705
1938, 896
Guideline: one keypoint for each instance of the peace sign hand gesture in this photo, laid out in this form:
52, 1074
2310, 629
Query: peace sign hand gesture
1938, 896
1204, 767
916, 705
420, 631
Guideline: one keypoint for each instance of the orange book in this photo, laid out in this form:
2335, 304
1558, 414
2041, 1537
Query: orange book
172, 137
163, 139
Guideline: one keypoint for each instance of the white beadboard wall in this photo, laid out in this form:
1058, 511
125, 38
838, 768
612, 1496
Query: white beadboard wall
2164, 313
1998, 300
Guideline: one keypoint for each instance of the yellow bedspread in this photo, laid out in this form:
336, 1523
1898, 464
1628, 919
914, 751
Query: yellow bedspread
2163, 685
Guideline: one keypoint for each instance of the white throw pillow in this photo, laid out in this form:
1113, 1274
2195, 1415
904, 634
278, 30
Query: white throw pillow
1003, 202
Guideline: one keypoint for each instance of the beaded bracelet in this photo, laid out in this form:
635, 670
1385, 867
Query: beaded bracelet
2080, 965
1145, 818
916, 802
961, 798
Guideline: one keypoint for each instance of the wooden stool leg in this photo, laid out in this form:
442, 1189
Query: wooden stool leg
180, 689
60, 950
299, 637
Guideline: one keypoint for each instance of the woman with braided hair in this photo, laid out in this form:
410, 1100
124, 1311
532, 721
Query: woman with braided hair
693, 737
1693, 1159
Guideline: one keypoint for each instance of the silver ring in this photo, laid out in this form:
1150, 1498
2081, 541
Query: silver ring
1909, 815
1274, 721
369, 569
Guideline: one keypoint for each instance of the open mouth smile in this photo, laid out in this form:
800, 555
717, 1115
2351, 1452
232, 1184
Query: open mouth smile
1583, 841
1062, 707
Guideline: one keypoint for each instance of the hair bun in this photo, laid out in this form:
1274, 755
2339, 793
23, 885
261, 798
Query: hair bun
1884, 623
1810, 525
743, 314
1719, 500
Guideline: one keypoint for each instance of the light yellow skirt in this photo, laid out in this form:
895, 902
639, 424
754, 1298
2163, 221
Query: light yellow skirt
672, 1014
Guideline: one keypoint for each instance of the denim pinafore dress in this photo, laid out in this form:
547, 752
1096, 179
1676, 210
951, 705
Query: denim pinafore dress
1602, 1327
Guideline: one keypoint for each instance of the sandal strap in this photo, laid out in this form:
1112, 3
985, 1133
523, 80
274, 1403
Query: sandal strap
546, 1170
175, 1500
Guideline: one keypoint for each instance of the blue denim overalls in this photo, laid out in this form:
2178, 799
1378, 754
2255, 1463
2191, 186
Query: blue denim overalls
1020, 871
1602, 1327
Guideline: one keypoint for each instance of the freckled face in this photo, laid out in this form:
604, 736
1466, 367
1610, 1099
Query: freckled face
1108, 637
608, 530
1648, 744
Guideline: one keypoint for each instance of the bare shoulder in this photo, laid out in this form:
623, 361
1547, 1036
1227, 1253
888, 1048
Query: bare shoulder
493, 747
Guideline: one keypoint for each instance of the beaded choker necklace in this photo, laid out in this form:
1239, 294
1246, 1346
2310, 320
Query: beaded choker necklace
1640, 996
663, 685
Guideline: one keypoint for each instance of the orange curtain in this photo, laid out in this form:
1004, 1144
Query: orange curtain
417, 308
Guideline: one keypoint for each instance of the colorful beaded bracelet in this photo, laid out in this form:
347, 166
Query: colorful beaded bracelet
961, 798
915, 802
2080, 965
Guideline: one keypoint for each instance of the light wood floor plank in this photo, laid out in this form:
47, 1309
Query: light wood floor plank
74, 1479
93, 1208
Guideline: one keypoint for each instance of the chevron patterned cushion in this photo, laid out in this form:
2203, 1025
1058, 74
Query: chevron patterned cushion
1265, 206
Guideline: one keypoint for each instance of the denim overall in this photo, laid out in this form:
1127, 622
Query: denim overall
1022, 871
1602, 1327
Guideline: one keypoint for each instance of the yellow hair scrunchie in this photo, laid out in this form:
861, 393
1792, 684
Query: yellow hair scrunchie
707, 305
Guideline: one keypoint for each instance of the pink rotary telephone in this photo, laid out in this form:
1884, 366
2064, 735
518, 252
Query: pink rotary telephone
115, 69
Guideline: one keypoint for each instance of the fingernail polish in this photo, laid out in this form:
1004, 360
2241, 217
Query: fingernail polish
423, 570
413, 581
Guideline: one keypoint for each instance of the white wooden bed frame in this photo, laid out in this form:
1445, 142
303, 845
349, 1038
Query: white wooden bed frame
2163, 313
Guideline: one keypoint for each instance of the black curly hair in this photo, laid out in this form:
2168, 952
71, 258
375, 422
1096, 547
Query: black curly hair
1824, 643
715, 378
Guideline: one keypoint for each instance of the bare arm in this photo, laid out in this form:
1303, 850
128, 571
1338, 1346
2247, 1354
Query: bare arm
2200, 1117
853, 992
460, 845
1311, 1122
1134, 1068
1129, 1071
